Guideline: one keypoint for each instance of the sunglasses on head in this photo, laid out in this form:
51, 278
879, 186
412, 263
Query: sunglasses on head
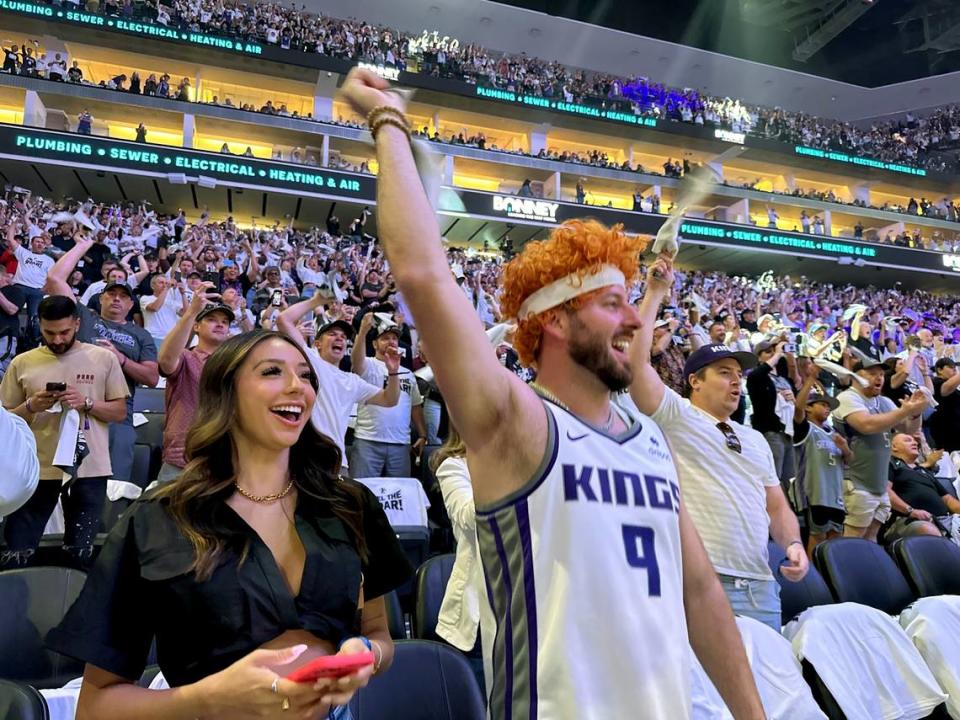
733, 442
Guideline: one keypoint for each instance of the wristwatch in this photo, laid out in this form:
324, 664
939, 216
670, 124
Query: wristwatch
88, 404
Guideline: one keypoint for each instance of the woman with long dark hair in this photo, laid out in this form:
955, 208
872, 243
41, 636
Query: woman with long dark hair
255, 560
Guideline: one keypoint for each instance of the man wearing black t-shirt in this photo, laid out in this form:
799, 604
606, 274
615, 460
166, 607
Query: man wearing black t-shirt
916, 496
945, 421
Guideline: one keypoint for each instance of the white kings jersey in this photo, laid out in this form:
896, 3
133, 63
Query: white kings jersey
583, 572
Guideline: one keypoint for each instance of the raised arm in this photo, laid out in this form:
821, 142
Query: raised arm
288, 322
358, 356
444, 317
56, 283
809, 381
864, 422
647, 387
173, 345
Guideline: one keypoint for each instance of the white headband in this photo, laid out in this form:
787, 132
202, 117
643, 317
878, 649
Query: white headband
567, 288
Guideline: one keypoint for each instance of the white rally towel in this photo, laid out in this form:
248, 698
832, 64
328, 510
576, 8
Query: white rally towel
403, 499
850, 641
65, 455
933, 624
784, 693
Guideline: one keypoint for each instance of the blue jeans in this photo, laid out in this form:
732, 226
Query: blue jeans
370, 458
341, 712
757, 599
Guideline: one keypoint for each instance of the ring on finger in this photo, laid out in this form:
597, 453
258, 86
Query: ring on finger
274, 685
285, 705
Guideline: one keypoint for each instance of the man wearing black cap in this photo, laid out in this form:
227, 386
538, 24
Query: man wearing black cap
730, 485
339, 391
133, 346
945, 421
182, 367
868, 417
821, 453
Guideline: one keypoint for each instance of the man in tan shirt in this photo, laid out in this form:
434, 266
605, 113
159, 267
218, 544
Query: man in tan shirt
40, 386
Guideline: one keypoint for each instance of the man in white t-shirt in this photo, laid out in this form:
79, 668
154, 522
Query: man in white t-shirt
162, 309
730, 485
339, 390
381, 445
32, 268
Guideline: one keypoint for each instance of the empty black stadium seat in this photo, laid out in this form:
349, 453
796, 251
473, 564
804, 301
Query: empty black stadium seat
861, 571
427, 681
930, 564
432, 579
34, 600
415, 541
795, 597
151, 435
395, 618
140, 474
19, 701
149, 400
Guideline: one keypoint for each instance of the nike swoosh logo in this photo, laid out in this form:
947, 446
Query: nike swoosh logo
578, 437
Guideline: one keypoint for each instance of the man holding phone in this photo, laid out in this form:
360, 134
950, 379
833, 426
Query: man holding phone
133, 346
41, 385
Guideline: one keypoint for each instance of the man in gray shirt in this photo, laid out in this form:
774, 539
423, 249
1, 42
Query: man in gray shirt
867, 418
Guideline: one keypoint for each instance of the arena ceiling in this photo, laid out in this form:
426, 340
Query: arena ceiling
862, 42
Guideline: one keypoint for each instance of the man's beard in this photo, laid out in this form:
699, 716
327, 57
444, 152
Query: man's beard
590, 351
62, 348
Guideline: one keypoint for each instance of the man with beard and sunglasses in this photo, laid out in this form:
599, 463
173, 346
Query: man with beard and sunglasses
729, 480
39, 386
589, 556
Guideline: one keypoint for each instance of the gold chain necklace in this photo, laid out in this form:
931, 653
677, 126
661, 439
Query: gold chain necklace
541, 390
264, 498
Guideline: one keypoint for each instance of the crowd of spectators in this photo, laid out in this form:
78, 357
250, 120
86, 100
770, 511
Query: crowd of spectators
928, 141
30, 61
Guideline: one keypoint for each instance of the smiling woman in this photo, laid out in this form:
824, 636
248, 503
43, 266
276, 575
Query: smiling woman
257, 559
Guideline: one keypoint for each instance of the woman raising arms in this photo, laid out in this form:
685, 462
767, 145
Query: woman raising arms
255, 560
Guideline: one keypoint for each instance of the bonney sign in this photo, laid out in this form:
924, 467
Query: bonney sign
526, 208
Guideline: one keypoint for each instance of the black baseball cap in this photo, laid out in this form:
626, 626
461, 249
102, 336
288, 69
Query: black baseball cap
342, 324
867, 359
122, 285
708, 354
225, 309
817, 397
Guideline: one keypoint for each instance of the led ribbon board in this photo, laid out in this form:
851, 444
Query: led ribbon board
143, 29
857, 160
563, 107
69, 148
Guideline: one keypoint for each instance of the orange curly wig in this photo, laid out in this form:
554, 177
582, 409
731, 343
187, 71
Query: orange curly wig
577, 246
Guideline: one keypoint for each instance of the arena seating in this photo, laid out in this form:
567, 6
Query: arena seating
931, 565
34, 600
428, 681
19, 701
432, 579
862, 572
795, 597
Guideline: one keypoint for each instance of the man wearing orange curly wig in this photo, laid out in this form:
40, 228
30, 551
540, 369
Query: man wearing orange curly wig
589, 557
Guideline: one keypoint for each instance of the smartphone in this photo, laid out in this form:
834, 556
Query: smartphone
790, 348
178, 276
56, 387
332, 666
277, 298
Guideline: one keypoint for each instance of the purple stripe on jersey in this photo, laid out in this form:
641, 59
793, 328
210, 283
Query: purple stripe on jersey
507, 620
530, 596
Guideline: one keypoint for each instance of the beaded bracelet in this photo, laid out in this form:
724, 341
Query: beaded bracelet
389, 120
379, 110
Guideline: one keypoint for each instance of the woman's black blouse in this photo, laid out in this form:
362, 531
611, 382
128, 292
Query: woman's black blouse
142, 588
